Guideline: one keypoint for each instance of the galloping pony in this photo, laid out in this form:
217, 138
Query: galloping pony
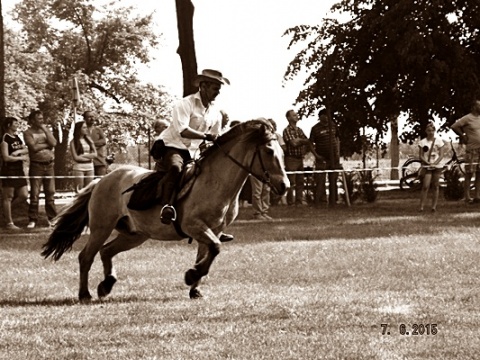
250, 148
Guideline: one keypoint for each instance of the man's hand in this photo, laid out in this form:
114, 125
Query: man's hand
211, 137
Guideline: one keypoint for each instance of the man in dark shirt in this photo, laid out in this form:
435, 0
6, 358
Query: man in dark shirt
297, 145
327, 145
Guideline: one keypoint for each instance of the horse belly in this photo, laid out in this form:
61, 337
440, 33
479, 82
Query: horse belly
148, 222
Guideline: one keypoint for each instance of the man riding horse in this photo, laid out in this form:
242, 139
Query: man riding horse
194, 120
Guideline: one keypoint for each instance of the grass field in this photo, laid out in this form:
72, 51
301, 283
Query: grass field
316, 283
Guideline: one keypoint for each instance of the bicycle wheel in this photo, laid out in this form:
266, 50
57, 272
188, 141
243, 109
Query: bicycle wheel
410, 167
410, 182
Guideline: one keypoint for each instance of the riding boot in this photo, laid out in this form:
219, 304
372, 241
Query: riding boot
226, 237
168, 213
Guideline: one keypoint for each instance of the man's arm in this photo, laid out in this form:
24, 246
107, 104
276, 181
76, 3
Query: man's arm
288, 137
457, 128
31, 143
102, 140
190, 133
52, 142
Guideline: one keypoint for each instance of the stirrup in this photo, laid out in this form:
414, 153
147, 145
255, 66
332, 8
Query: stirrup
169, 207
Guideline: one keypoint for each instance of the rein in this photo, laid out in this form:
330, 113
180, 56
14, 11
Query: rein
266, 175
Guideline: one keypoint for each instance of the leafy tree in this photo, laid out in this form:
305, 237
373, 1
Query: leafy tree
393, 56
26, 75
101, 46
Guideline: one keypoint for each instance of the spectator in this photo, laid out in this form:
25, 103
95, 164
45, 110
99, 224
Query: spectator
225, 120
261, 195
430, 151
468, 129
100, 141
194, 119
159, 126
324, 135
297, 145
274, 198
41, 144
83, 152
279, 136
14, 153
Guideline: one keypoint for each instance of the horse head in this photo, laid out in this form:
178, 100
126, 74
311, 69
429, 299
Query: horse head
263, 153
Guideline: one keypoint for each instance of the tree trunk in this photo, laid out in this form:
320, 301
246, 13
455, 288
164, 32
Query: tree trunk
394, 149
2, 68
186, 45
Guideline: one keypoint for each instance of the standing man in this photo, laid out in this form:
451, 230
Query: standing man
159, 126
194, 119
100, 142
225, 120
41, 144
325, 138
297, 145
468, 129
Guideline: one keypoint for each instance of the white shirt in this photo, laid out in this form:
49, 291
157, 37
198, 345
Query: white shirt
435, 151
190, 112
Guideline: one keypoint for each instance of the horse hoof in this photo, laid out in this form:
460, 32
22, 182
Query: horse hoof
195, 294
105, 287
85, 297
191, 277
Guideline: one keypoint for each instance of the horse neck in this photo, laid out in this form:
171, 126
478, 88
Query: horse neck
231, 175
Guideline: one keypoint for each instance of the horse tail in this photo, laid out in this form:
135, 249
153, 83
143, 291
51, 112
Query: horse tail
69, 224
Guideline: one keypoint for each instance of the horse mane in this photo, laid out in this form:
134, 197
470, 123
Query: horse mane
256, 132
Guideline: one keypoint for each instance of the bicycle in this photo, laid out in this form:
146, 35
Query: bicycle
411, 168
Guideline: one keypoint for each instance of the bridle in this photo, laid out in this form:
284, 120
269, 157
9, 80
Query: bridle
265, 177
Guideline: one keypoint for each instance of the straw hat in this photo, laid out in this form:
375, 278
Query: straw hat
212, 76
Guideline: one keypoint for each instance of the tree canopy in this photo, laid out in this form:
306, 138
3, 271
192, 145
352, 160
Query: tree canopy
101, 46
416, 57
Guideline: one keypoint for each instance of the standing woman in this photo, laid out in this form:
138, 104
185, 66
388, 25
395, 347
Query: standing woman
14, 153
431, 154
83, 152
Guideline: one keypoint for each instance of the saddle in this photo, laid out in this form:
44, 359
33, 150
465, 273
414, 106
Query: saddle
147, 192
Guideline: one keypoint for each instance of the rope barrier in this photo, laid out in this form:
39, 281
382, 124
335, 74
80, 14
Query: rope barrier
48, 177
288, 172
399, 168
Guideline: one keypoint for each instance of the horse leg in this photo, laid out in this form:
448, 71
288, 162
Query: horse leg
86, 257
122, 242
205, 256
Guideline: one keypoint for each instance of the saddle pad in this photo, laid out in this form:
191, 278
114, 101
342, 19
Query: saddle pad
144, 193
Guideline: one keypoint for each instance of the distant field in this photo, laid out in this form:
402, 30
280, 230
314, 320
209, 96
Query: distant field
316, 283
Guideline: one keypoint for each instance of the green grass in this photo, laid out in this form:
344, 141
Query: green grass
313, 284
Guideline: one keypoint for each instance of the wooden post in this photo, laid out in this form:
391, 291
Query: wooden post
345, 188
394, 149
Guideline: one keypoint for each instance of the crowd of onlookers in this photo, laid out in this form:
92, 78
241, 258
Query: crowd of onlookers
194, 121
38, 149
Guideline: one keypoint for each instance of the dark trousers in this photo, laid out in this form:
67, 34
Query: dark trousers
41, 175
100, 170
320, 181
296, 180
173, 162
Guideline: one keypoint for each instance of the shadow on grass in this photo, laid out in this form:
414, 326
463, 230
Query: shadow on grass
385, 218
94, 302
